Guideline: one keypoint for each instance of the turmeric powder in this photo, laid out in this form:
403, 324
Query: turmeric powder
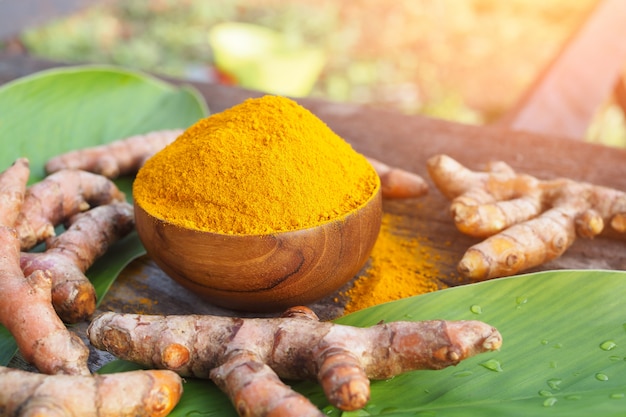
264, 166
399, 267
125, 156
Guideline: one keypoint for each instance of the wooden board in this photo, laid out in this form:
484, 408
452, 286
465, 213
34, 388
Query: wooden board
406, 142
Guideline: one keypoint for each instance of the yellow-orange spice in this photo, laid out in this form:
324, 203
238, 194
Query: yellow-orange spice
400, 267
264, 166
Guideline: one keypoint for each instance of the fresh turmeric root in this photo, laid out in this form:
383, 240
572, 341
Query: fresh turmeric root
12, 185
120, 157
526, 221
71, 253
398, 183
246, 357
127, 394
58, 197
25, 302
126, 156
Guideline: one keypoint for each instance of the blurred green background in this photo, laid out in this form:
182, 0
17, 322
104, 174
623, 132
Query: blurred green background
462, 60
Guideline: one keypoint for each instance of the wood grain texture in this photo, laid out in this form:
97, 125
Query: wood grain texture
264, 272
406, 142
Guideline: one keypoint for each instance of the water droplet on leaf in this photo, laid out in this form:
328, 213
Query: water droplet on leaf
602, 377
554, 383
476, 309
608, 345
520, 301
492, 365
549, 402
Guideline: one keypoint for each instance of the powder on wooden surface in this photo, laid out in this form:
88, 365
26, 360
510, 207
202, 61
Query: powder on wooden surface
400, 267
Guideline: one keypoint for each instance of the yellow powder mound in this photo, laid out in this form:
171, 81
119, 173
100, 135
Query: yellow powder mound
266, 165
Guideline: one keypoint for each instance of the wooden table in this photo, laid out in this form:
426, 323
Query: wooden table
402, 141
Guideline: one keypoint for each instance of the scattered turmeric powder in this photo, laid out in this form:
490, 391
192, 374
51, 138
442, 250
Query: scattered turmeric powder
266, 165
399, 267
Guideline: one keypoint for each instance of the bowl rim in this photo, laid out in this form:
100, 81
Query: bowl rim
376, 194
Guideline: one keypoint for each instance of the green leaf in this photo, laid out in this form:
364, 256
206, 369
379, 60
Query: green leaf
552, 363
8, 347
104, 271
564, 353
59, 110
200, 397
118, 366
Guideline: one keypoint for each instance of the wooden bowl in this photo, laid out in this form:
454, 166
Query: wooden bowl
264, 272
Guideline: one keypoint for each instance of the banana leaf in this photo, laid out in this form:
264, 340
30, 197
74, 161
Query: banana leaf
59, 110
8, 347
564, 353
